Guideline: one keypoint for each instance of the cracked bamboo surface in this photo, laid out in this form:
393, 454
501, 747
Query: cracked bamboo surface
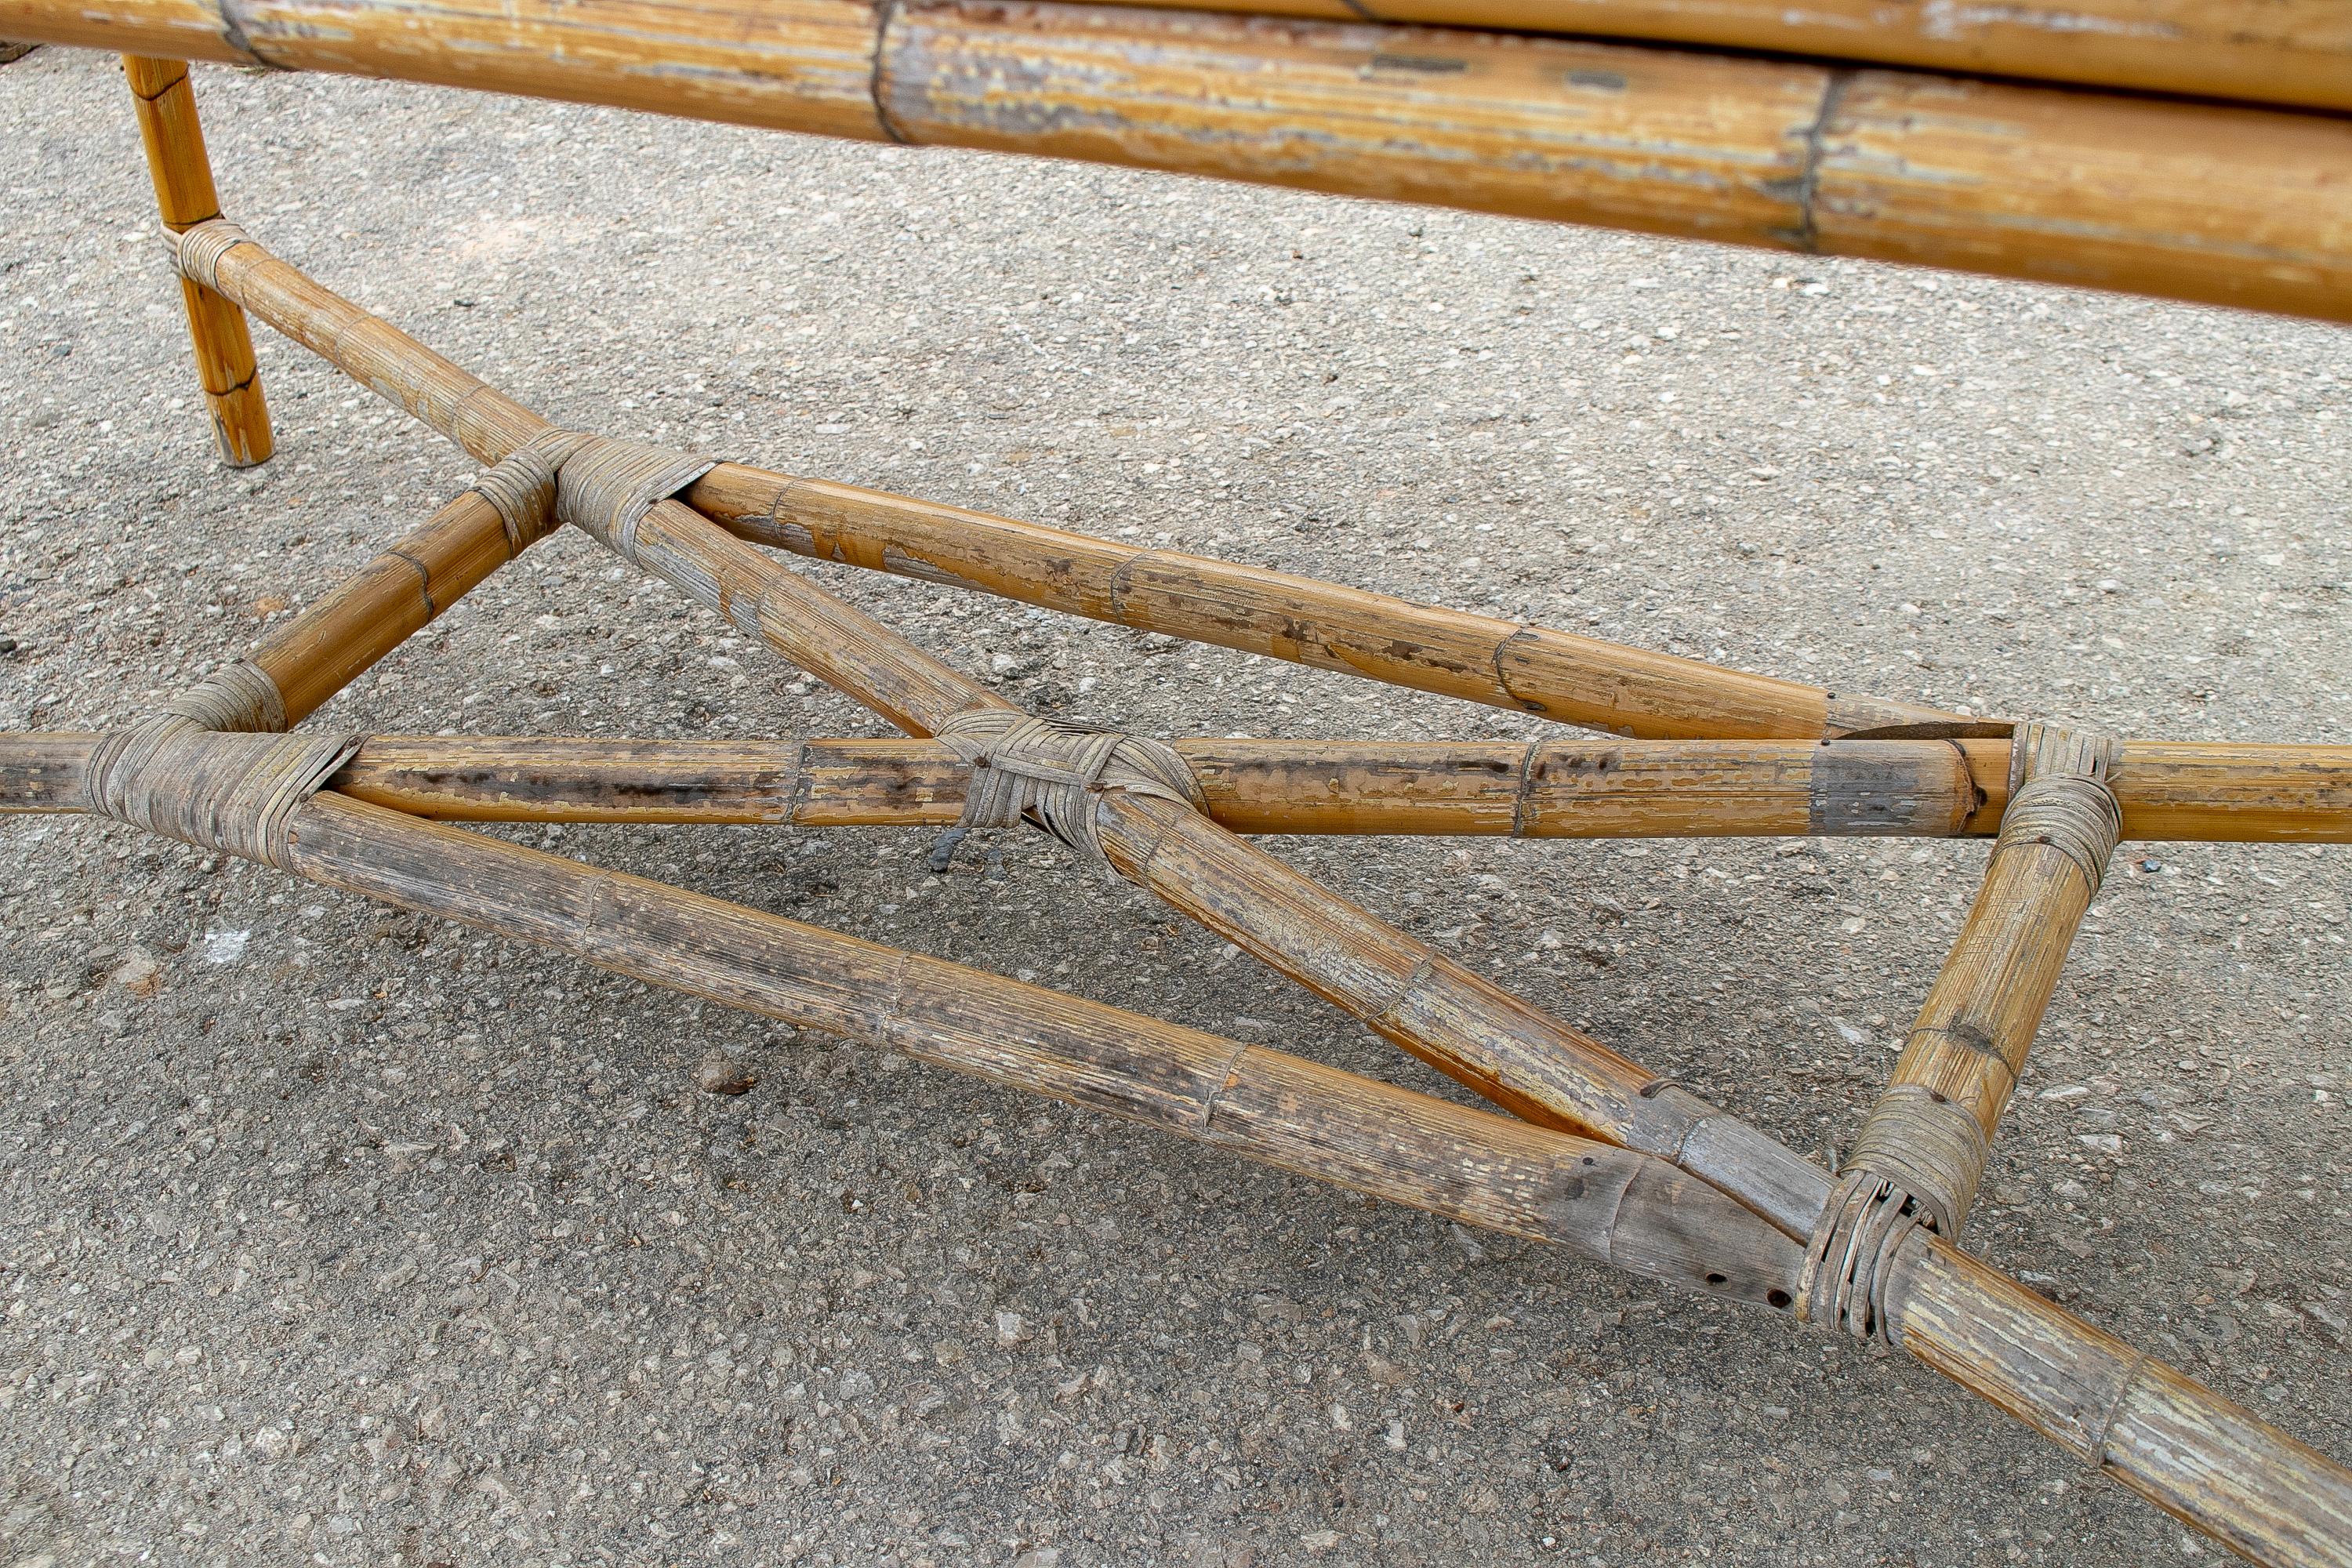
2189, 200
1303, 620
1450, 1019
185, 195
2274, 51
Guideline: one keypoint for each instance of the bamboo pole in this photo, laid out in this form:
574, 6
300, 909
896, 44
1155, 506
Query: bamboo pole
1503, 664
185, 195
2213, 1465
1482, 1169
1497, 662
2175, 790
1539, 1067
2193, 200
2296, 52
1931, 1129
2209, 1463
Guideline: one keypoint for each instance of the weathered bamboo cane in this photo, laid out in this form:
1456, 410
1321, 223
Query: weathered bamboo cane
1503, 664
2211, 1464
333, 641
2177, 790
1482, 1169
1402, 987
1932, 1127
2211, 202
2298, 52
185, 195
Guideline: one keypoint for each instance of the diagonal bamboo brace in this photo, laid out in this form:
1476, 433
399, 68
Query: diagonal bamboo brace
1929, 1133
2211, 1464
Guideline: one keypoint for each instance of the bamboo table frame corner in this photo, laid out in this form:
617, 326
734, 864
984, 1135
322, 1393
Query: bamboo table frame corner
1596, 1152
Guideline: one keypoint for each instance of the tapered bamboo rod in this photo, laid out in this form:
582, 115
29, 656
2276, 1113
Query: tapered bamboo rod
1607, 1202
2194, 201
2295, 52
185, 195
2177, 790
2209, 1463
1503, 664
2212, 1465
1497, 662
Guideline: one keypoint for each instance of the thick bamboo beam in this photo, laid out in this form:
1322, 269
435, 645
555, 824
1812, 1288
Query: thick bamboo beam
2177, 790
1482, 1169
2194, 201
1438, 1012
184, 195
1503, 664
2296, 52
2209, 1463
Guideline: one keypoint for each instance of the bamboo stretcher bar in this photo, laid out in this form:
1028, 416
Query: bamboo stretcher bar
2210, 1463
2194, 201
2187, 791
1931, 1131
1500, 663
2276, 794
2296, 52
1480, 659
1475, 1166
333, 641
184, 195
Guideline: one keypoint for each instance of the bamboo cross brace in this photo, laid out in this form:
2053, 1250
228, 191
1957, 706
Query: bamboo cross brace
1503, 664
1398, 985
2060, 1367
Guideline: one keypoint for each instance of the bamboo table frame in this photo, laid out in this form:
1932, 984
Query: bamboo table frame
1597, 1154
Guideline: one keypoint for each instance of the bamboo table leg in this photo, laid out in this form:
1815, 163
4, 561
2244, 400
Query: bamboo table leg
184, 193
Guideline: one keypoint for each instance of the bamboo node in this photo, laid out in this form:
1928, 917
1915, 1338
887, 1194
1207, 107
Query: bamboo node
197, 249
1057, 772
1849, 1262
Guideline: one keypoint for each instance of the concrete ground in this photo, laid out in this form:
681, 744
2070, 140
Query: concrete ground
333, 1235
